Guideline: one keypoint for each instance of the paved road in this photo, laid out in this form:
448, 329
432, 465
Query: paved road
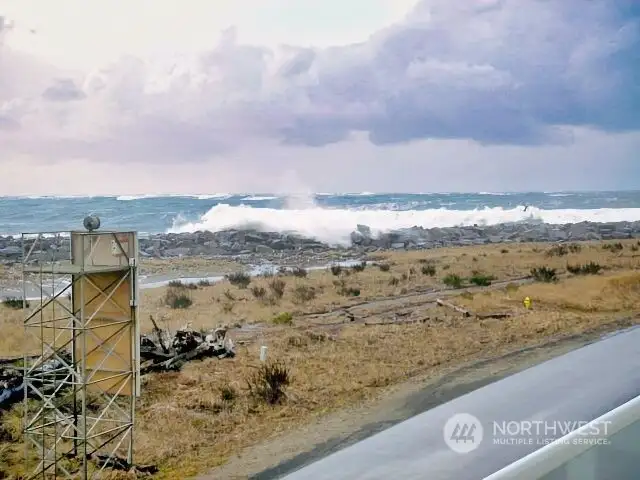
578, 386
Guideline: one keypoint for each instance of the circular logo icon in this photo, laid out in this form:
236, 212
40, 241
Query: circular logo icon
463, 433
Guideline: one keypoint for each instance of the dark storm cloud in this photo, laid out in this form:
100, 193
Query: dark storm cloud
507, 73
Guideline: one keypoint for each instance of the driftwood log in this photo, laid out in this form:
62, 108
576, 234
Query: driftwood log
117, 463
482, 316
399, 322
458, 309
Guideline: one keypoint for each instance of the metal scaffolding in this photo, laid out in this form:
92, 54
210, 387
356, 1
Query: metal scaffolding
82, 380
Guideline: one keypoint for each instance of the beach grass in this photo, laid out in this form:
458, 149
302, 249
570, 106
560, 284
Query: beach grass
393, 331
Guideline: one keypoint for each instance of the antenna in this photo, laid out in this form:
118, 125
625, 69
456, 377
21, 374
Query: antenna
91, 222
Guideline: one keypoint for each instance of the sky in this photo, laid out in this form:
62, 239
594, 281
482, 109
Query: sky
166, 96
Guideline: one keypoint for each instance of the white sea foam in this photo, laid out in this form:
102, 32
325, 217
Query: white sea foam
335, 225
129, 198
212, 196
259, 198
202, 196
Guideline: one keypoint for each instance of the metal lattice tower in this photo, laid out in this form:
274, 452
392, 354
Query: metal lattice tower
82, 380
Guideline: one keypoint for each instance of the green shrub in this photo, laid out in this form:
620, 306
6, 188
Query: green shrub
179, 284
590, 268
239, 279
284, 318
544, 274
481, 280
15, 303
384, 267
177, 298
336, 269
452, 280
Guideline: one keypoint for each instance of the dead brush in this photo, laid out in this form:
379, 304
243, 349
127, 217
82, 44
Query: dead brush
269, 383
344, 290
303, 294
277, 287
359, 267
228, 394
335, 270
258, 292
299, 272
616, 247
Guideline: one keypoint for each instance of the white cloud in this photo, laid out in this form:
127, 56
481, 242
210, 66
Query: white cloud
490, 72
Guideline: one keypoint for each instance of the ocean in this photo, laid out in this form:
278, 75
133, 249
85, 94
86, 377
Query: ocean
327, 217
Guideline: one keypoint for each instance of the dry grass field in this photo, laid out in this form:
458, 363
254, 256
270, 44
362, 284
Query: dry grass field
345, 335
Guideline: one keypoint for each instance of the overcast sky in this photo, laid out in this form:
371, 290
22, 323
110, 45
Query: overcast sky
201, 96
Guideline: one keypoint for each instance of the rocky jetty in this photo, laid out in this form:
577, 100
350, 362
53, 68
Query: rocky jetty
362, 240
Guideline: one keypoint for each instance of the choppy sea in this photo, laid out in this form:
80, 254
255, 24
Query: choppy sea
328, 217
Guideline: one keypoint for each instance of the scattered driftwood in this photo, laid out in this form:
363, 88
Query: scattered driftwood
11, 388
461, 310
45, 377
162, 353
400, 320
187, 344
116, 463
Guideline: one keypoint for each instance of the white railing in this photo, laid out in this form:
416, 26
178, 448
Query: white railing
554, 455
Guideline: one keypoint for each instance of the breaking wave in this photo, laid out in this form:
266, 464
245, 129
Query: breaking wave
335, 225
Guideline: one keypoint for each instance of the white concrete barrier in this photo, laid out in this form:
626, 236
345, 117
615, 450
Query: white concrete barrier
542, 462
